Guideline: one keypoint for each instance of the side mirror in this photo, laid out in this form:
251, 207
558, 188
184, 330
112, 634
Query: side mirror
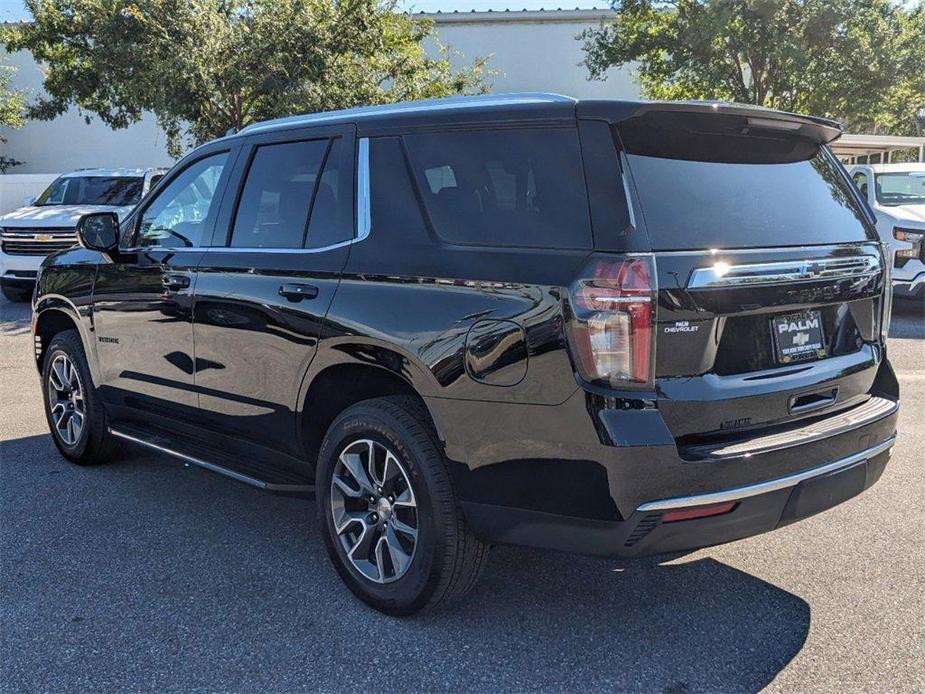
99, 231
28, 200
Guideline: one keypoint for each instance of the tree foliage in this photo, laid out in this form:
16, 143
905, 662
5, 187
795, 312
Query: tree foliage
12, 107
861, 61
206, 66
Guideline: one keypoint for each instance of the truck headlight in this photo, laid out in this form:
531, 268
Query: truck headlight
912, 236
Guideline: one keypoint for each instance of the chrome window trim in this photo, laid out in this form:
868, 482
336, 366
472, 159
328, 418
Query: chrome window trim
747, 491
725, 275
624, 167
364, 213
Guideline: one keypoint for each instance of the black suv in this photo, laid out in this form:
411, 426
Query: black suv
606, 327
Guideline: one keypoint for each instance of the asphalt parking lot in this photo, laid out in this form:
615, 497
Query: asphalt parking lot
148, 575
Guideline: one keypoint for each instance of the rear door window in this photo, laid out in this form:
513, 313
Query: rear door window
503, 188
277, 196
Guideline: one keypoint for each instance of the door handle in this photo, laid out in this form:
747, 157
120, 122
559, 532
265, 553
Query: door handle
297, 292
176, 281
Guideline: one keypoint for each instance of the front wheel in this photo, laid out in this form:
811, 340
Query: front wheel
75, 415
387, 511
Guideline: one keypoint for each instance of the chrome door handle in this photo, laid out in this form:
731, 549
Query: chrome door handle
297, 292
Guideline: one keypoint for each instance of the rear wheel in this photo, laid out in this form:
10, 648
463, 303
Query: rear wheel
387, 510
16, 294
75, 415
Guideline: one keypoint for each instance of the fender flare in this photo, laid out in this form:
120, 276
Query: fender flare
81, 318
353, 351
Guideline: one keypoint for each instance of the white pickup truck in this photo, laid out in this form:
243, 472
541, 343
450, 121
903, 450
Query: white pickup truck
896, 193
49, 223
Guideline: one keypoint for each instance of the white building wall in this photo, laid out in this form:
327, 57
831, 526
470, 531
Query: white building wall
533, 51
67, 142
530, 50
18, 189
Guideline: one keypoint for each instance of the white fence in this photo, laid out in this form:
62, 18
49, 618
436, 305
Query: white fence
15, 189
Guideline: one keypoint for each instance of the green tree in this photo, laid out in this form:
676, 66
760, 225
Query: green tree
861, 61
12, 106
206, 66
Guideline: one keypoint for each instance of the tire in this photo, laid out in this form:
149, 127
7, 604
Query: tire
446, 559
16, 294
92, 443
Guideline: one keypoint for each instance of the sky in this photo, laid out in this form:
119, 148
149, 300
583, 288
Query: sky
14, 10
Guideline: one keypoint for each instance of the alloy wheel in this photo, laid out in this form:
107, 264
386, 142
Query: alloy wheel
66, 399
374, 510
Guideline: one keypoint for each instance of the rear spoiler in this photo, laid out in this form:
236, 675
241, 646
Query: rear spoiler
820, 131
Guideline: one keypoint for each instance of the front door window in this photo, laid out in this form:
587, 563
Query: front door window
180, 214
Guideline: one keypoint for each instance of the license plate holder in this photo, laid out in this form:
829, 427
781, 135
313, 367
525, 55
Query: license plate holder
798, 336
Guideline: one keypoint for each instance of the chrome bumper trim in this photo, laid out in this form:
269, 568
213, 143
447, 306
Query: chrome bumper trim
751, 490
833, 425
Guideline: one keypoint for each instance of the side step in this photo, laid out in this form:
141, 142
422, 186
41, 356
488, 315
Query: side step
267, 478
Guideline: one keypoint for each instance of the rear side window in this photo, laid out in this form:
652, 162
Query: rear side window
394, 209
725, 190
503, 188
277, 196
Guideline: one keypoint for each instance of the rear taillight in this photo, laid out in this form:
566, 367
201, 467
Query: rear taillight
611, 322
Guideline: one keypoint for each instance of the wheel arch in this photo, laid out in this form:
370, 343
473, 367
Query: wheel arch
337, 386
54, 315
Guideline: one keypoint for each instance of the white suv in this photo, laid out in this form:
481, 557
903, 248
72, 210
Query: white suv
49, 223
896, 193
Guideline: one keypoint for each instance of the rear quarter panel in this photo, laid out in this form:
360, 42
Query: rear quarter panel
411, 310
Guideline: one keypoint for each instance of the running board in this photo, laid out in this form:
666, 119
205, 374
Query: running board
286, 487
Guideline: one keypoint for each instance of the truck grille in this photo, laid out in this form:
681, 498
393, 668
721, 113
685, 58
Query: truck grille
37, 241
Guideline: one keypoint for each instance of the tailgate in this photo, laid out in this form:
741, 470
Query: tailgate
769, 269
726, 321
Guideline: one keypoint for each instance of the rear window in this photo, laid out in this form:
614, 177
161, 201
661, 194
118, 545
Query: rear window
503, 188
759, 191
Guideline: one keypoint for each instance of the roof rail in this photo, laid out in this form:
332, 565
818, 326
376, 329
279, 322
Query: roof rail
427, 105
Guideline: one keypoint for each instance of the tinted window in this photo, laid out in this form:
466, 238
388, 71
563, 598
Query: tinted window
180, 213
274, 205
332, 209
394, 209
504, 188
702, 204
117, 191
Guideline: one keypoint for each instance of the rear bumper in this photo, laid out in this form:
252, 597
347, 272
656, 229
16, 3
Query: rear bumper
591, 477
759, 507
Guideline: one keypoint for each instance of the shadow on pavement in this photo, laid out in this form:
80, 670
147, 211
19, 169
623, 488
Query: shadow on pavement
145, 574
15, 318
908, 319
